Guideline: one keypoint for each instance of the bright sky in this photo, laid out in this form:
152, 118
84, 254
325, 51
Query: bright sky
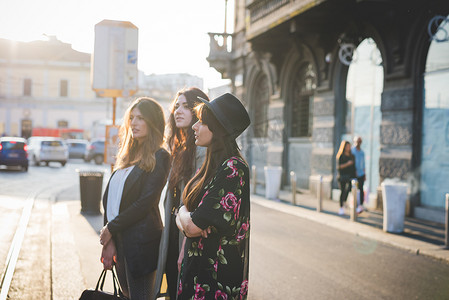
172, 33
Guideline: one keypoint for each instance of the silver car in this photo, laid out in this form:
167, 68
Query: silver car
77, 147
47, 149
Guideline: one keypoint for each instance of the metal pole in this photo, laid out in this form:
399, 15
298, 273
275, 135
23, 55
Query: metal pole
253, 170
320, 194
293, 185
114, 103
225, 37
354, 200
446, 242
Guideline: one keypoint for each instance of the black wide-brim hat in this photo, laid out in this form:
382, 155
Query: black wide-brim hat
230, 112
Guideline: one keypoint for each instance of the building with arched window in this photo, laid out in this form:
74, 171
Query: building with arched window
314, 73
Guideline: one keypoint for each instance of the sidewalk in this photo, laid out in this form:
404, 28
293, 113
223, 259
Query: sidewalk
75, 236
76, 247
420, 237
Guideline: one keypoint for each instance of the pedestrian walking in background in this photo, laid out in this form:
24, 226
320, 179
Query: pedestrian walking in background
359, 155
216, 215
133, 224
346, 172
186, 160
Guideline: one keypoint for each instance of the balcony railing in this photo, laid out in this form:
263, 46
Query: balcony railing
266, 14
220, 51
259, 9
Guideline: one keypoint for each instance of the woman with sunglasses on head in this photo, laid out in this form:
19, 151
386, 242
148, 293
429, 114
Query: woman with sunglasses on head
186, 160
133, 224
216, 215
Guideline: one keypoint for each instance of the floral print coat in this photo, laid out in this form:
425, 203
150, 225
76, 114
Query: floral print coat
217, 267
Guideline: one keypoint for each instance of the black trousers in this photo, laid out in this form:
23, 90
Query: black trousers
361, 180
345, 187
140, 288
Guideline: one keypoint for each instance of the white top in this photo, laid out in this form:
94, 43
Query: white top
115, 192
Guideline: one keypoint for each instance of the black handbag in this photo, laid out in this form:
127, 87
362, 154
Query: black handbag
99, 294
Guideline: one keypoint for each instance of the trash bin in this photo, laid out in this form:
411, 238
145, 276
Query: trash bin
91, 183
272, 182
394, 196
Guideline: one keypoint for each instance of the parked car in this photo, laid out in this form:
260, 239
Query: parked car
14, 152
95, 151
47, 149
77, 147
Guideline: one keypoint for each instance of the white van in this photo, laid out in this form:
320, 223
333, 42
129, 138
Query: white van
47, 149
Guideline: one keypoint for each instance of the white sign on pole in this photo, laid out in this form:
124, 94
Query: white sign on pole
114, 61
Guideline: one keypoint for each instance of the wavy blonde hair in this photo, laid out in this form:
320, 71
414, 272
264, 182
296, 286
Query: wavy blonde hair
142, 154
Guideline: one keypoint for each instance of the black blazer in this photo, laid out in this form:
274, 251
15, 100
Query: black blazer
139, 221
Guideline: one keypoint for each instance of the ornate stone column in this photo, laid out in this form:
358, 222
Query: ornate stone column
323, 137
396, 134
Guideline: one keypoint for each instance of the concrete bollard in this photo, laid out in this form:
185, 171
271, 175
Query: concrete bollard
293, 185
320, 194
446, 242
254, 179
354, 200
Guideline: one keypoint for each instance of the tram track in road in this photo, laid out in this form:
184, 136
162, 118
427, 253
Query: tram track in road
14, 254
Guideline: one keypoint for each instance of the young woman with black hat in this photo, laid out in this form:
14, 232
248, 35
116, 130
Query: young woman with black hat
216, 215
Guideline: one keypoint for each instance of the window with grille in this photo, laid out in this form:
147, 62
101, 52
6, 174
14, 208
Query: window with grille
260, 106
64, 88
27, 87
302, 101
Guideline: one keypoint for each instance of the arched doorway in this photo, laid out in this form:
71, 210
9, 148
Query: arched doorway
301, 88
364, 88
435, 126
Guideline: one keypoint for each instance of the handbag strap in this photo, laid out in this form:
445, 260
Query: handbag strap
115, 282
100, 282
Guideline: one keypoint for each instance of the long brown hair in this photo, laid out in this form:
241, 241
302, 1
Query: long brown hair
181, 142
221, 148
131, 152
342, 149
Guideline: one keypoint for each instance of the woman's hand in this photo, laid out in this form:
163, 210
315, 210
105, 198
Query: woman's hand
186, 225
109, 255
105, 236
205, 233
178, 222
346, 164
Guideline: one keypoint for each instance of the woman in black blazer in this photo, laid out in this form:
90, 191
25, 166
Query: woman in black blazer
133, 224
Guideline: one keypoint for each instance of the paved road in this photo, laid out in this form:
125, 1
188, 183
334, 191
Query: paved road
294, 258
291, 257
